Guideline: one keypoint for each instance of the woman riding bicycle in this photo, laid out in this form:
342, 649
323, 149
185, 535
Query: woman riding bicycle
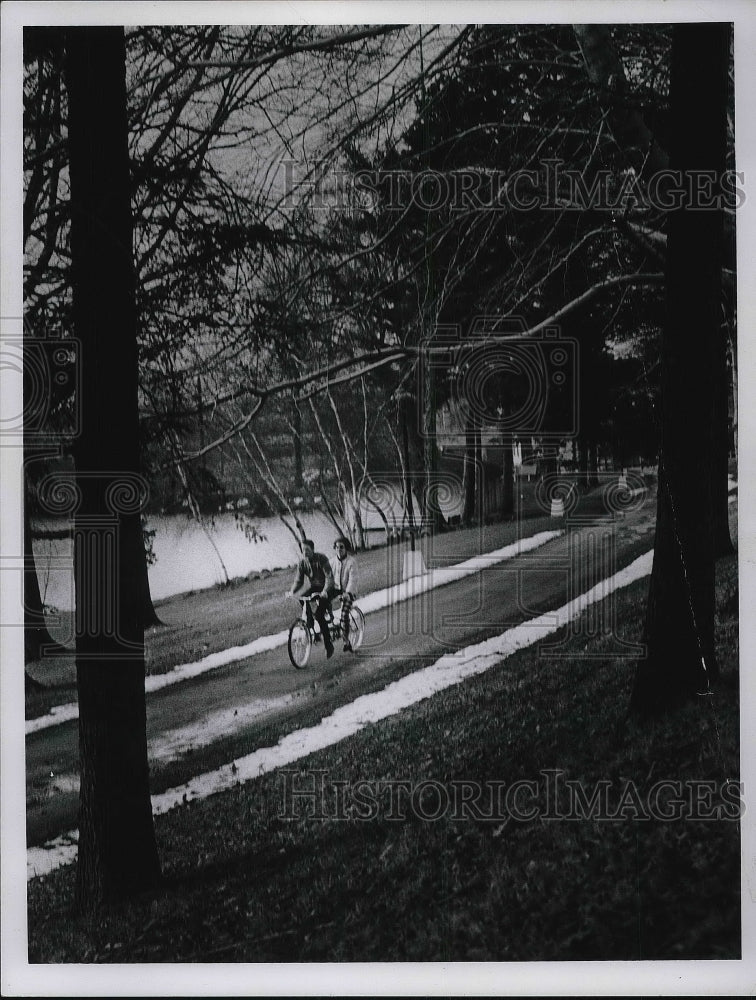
345, 576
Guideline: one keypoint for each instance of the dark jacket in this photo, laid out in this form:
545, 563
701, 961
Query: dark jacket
317, 570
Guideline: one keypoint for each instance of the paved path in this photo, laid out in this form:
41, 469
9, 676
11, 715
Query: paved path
254, 702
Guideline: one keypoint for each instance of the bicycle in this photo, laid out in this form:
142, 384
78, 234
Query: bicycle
303, 636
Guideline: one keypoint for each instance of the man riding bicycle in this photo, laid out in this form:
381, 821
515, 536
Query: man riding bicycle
315, 567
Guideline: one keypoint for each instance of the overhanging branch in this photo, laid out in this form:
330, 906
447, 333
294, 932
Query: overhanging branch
379, 359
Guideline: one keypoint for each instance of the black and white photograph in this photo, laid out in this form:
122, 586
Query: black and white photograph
377, 449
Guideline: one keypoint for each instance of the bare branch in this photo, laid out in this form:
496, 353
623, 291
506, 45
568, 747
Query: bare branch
346, 38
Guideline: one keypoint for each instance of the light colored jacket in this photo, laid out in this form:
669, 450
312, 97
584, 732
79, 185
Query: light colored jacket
345, 574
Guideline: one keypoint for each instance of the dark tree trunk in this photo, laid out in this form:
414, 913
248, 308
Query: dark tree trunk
408, 502
588, 463
297, 443
479, 476
680, 656
593, 476
722, 541
431, 511
469, 469
618, 453
584, 463
733, 369
508, 480
117, 849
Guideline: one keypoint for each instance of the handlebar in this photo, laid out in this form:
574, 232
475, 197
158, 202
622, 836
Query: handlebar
312, 597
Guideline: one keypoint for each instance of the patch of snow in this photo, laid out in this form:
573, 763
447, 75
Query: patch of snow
65, 783
155, 682
58, 713
54, 854
177, 742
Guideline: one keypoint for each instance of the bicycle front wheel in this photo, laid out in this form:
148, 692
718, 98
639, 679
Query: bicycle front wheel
300, 644
356, 627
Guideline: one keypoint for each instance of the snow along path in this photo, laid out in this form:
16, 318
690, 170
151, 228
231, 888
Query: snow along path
175, 744
370, 708
376, 601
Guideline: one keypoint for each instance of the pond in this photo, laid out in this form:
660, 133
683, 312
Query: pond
188, 556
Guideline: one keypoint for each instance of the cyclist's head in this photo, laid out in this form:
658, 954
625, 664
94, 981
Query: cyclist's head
342, 546
308, 545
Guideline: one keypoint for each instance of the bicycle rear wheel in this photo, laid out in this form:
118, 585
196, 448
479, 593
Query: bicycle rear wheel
300, 644
356, 627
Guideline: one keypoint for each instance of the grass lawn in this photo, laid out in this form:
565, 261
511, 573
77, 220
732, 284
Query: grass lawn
243, 883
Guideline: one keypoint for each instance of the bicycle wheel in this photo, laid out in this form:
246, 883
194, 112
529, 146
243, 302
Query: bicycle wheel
356, 627
300, 644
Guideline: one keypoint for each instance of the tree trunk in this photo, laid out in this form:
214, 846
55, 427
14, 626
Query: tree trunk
589, 463
726, 388
679, 635
297, 443
733, 385
431, 512
469, 474
359, 529
117, 849
479, 508
722, 541
593, 476
584, 455
409, 505
508, 479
